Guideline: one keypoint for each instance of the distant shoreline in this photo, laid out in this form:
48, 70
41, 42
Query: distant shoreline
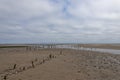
101, 46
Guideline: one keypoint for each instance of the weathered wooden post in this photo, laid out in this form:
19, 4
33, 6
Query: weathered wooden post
26, 48
5, 77
61, 52
50, 56
33, 64
43, 60
14, 67
23, 68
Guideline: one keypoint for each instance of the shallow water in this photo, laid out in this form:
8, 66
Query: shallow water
113, 51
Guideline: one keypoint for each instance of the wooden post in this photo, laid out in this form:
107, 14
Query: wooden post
50, 56
60, 52
14, 67
33, 64
5, 77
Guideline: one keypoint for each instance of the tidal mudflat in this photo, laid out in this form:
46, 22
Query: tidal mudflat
58, 64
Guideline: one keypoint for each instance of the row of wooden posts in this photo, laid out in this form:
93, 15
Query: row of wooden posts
37, 47
34, 63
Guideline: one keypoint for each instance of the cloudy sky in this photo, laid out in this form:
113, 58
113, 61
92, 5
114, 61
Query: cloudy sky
59, 21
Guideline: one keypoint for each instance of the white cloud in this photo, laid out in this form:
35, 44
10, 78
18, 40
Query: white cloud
26, 9
103, 9
59, 20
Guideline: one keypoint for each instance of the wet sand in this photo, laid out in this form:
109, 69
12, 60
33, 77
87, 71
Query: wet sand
102, 46
58, 64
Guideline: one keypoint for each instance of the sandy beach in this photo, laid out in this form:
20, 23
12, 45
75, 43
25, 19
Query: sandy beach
58, 64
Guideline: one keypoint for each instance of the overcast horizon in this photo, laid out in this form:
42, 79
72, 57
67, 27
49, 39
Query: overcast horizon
59, 21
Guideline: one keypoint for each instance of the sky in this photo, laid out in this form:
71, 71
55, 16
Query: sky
59, 21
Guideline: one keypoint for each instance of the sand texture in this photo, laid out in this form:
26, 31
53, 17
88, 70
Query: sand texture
58, 64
